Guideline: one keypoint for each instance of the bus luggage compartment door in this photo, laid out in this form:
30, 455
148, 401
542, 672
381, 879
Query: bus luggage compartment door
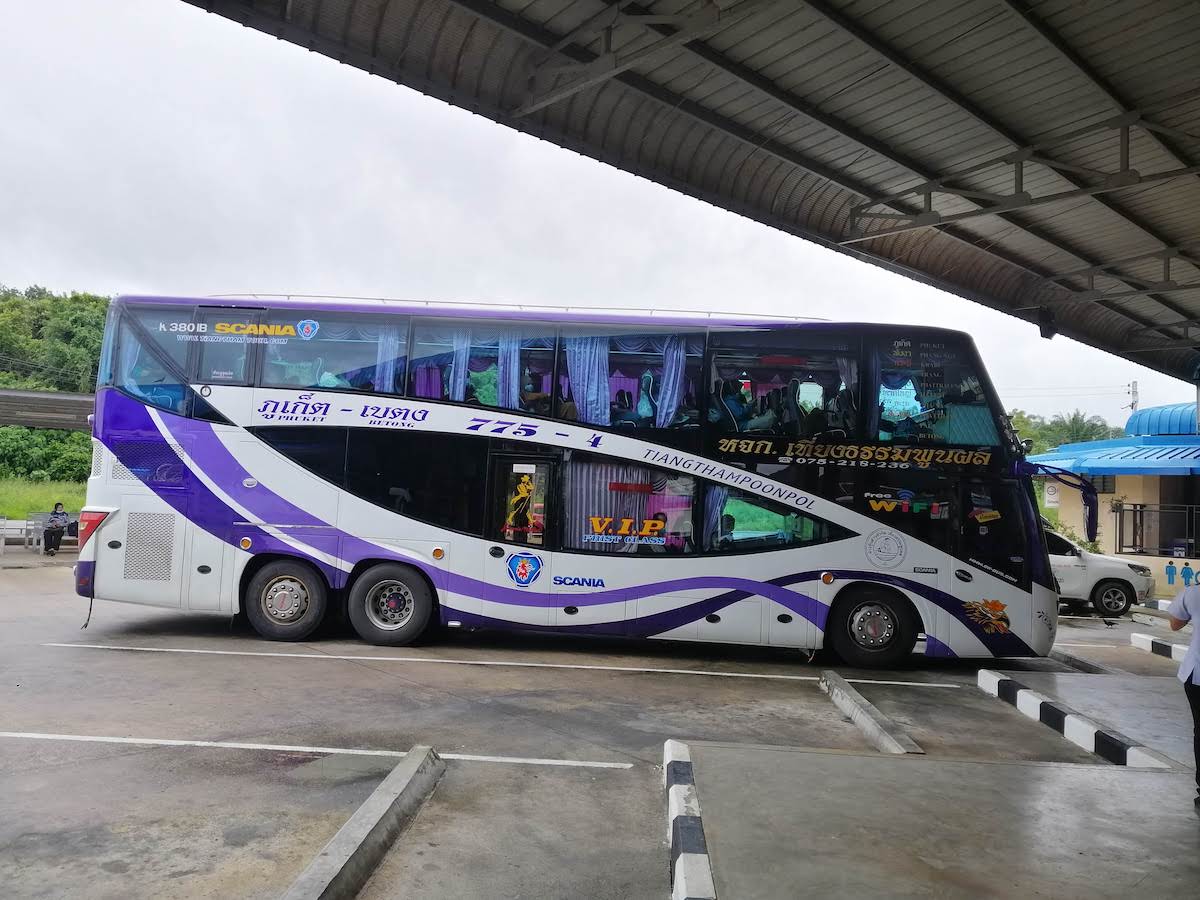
140, 558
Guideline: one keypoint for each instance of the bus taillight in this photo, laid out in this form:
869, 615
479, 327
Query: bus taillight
88, 523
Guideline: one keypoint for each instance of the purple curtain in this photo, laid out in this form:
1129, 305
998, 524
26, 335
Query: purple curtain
619, 381
508, 380
671, 384
587, 365
427, 382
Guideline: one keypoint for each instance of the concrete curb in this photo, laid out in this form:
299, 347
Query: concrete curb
881, 731
1084, 665
346, 863
1161, 605
1078, 729
1158, 648
691, 869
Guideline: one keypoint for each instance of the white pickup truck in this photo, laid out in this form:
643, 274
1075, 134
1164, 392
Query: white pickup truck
1111, 584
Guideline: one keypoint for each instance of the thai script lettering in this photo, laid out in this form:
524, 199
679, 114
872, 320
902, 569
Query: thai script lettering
393, 416
302, 409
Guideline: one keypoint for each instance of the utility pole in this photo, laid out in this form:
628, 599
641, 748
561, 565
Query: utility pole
1133, 393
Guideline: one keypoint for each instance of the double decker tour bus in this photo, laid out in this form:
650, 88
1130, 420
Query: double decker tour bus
793, 484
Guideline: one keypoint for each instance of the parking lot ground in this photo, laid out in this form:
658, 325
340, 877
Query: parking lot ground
111, 821
1151, 710
509, 824
1091, 638
495, 832
866, 826
971, 724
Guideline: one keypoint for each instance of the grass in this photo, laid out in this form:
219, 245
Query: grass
19, 496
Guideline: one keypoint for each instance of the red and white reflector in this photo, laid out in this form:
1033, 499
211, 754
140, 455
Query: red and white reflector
89, 521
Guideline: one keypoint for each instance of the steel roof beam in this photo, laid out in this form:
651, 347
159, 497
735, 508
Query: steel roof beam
803, 108
1021, 9
1011, 203
532, 33
934, 84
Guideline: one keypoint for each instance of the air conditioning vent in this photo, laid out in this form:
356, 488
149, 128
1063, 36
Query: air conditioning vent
149, 546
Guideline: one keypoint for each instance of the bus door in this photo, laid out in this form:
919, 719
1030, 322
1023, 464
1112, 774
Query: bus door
993, 542
518, 537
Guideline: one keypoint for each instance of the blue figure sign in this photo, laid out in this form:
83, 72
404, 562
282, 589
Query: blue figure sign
1187, 574
1170, 573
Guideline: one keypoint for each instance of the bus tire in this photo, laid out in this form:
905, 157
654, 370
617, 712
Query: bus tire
1112, 598
871, 627
285, 600
390, 604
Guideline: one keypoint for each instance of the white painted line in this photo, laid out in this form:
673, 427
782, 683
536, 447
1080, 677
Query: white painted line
1065, 644
482, 662
300, 748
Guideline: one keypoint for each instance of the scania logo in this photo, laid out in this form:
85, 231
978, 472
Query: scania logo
572, 581
524, 567
307, 328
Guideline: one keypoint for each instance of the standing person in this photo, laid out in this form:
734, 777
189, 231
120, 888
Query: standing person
1185, 609
56, 525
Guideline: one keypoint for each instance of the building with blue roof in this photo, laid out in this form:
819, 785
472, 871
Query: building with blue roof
1149, 487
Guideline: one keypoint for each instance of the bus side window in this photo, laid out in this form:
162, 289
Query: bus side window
738, 522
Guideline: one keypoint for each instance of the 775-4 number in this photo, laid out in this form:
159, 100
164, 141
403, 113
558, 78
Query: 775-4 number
499, 426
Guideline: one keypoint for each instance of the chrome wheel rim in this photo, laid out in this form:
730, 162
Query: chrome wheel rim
1113, 599
872, 626
284, 600
390, 605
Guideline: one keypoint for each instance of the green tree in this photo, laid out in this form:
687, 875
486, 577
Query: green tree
1078, 427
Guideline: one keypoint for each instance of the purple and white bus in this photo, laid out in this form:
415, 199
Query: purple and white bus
789, 483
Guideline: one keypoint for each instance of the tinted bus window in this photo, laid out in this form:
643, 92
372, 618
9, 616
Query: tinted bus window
615, 507
781, 382
332, 351
436, 478
930, 392
630, 379
738, 522
510, 367
320, 450
151, 359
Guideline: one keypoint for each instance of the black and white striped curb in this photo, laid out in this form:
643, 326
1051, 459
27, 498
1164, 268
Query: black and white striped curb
691, 871
1077, 729
1157, 647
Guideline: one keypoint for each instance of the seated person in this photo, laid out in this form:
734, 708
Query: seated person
724, 536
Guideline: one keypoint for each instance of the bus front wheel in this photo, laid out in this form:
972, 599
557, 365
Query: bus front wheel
285, 600
871, 628
390, 604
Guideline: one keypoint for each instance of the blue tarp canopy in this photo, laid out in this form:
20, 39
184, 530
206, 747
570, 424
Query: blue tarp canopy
1140, 455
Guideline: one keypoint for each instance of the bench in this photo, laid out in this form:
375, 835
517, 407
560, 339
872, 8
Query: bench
35, 525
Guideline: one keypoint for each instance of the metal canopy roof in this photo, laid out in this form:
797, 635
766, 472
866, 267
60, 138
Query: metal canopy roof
1037, 156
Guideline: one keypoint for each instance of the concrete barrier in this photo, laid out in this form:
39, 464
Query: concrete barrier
345, 864
881, 731
691, 868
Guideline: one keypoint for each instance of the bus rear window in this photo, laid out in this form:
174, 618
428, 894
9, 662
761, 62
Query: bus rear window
930, 391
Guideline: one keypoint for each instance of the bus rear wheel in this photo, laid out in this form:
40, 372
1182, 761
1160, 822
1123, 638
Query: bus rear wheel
871, 628
285, 600
390, 604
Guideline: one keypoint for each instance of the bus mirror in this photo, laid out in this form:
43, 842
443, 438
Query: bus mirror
1027, 445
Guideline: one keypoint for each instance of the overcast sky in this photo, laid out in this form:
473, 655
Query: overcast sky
149, 147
